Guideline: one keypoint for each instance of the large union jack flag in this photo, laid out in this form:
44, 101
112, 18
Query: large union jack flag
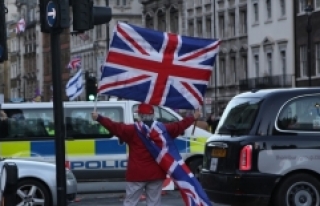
161, 146
158, 68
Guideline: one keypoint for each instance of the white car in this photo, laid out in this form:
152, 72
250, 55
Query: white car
37, 183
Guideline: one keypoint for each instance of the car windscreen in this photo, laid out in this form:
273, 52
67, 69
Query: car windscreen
239, 116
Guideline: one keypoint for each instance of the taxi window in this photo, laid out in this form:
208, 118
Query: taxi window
239, 116
300, 114
79, 123
161, 114
27, 123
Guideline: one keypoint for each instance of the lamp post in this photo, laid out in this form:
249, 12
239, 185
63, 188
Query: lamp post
309, 10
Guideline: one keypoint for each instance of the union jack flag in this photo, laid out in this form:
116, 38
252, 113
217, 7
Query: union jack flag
75, 63
158, 68
161, 146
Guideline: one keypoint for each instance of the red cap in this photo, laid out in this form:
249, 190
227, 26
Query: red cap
145, 109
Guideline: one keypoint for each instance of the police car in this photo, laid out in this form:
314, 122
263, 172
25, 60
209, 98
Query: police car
266, 150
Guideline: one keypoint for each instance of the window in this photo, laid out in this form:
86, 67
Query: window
300, 114
269, 9
303, 6
221, 26
28, 123
161, 114
199, 27
256, 65
208, 26
317, 3
303, 61
283, 7
223, 75
318, 57
39, 123
121, 2
232, 24
245, 66
234, 68
256, 12
99, 31
191, 28
269, 63
243, 22
79, 123
283, 56
240, 114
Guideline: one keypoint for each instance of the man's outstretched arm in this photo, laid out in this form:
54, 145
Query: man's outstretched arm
177, 128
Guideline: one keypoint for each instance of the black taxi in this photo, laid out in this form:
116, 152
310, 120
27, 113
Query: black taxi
266, 150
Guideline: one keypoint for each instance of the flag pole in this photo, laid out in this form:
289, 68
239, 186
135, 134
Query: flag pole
95, 103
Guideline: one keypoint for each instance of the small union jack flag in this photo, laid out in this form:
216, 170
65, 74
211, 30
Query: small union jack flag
158, 68
161, 146
75, 63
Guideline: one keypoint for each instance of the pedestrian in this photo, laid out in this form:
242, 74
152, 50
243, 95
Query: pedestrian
213, 122
143, 172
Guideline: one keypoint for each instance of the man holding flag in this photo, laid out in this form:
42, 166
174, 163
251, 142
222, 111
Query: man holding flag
157, 68
143, 171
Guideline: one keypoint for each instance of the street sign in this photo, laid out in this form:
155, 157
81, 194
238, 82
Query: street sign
51, 13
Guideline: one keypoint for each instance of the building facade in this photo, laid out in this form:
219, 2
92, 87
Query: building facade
25, 51
200, 22
92, 46
232, 62
271, 45
301, 41
6, 70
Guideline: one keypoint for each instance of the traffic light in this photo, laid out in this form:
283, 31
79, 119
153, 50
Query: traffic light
3, 32
91, 88
54, 14
85, 15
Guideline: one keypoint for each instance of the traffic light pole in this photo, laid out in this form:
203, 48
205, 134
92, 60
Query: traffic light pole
58, 118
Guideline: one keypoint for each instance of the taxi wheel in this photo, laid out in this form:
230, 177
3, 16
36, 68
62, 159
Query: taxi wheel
196, 167
299, 190
33, 192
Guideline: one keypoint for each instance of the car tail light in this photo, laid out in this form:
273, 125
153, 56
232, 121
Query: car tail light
245, 158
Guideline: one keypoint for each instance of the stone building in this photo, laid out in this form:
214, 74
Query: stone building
301, 39
271, 54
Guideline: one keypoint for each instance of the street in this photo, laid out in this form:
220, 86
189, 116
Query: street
170, 198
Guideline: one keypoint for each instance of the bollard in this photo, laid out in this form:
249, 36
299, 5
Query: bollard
9, 184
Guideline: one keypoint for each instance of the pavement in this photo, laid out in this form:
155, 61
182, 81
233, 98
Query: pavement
169, 198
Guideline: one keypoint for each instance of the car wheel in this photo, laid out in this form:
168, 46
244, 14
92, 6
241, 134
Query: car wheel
196, 167
32, 192
299, 190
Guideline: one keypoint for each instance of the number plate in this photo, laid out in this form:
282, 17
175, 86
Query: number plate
213, 164
218, 152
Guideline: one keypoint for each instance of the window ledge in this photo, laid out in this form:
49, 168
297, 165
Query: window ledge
255, 24
282, 18
269, 21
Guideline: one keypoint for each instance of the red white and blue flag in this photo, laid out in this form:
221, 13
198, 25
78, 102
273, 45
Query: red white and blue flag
163, 149
75, 63
158, 68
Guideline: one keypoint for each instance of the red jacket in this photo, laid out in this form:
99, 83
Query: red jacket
141, 165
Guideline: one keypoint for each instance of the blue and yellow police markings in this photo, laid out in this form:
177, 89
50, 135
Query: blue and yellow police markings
86, 147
